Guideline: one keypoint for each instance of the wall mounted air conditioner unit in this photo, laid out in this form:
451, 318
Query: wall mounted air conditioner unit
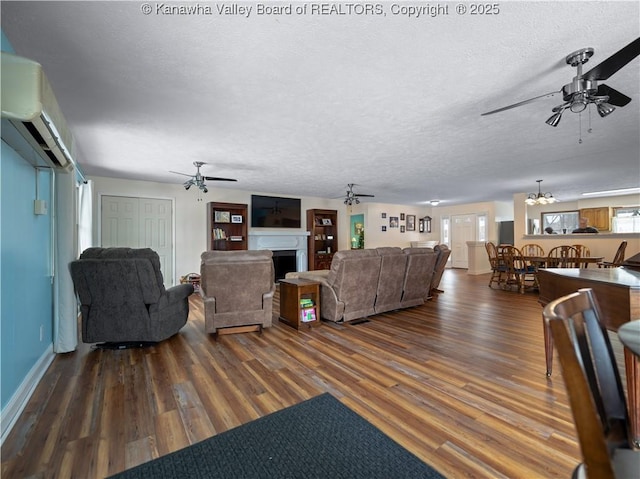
41, 134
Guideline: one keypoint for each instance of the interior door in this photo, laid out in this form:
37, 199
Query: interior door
139, 223
463, 229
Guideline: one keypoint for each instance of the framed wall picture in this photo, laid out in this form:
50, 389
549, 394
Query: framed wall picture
384, 228
401, 216
411, 222
326, 222
393, 222
402, 229
383, 215
222, 217
236, 218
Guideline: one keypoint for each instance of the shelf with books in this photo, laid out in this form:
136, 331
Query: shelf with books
323, 238
226, 226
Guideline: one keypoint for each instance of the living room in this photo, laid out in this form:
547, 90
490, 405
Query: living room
30, 334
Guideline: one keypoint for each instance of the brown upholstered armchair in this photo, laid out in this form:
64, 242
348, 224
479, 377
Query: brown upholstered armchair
123, 299
237, 288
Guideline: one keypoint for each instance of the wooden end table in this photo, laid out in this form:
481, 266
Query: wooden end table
299, 302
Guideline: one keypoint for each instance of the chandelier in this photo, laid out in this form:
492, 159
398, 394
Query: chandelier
540, 198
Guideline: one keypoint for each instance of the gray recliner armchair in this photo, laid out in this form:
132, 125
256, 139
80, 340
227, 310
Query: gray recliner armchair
123, 299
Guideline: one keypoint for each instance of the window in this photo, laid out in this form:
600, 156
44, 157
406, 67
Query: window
482, 227
445, 230
626, 220
561, 221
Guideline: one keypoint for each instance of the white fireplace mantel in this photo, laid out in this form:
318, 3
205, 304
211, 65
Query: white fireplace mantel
278, 240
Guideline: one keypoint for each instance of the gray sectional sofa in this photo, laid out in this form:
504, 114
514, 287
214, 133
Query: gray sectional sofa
365, 282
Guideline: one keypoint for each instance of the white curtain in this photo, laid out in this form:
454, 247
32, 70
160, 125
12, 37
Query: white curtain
85, 216
65, 309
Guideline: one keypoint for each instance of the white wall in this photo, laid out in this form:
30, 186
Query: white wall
374, 237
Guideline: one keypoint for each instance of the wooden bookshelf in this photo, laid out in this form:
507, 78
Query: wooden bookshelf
322, 226
227, 226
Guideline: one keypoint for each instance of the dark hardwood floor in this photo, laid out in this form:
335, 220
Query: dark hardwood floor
459, 381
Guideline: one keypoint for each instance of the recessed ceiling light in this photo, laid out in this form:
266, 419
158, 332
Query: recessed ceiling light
621, 191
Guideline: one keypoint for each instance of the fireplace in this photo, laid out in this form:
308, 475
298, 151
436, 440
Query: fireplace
289, 248
284, 261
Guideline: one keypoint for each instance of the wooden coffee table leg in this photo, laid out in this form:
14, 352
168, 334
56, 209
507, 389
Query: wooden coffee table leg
548, 346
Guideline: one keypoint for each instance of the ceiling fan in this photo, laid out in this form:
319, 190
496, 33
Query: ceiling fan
198, 179
354, 198
584, 89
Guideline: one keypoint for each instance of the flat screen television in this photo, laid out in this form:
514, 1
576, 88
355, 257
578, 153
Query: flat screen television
275, 212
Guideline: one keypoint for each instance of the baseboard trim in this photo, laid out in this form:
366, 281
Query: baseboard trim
18, 401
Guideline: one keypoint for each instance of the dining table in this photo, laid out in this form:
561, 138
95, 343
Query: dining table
546, 262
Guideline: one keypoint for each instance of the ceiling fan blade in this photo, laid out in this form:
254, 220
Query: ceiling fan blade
361, 195
178, 173
546, 95
615, 97
614, 63
215, 178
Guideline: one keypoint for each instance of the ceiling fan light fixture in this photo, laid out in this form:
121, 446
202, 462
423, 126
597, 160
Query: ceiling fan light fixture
554, 119
604, 109
434, 202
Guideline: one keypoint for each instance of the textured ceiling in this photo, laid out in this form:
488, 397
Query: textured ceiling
302, 104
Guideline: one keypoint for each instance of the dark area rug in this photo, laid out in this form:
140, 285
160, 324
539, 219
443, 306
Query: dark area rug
318, 438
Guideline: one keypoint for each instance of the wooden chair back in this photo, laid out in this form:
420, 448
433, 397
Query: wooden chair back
498, 268
492, 253
563, 257
583, 250
617, 259
519, 271
532, 249
593, 383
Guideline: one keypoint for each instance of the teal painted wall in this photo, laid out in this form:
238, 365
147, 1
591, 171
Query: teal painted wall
26, 294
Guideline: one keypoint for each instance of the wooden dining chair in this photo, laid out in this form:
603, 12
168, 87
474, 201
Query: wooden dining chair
498, 267
563, 257
593, 386
617, 259
532, 249
519, 272
583, 250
